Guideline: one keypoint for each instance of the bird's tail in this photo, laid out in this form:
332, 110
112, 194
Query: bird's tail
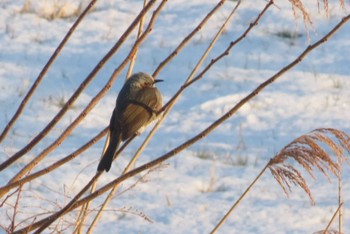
112, 144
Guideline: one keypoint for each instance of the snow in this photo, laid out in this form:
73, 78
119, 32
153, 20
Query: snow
192, 191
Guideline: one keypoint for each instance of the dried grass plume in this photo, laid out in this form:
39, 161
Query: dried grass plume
312, 150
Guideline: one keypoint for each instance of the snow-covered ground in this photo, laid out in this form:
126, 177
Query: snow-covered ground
196, 187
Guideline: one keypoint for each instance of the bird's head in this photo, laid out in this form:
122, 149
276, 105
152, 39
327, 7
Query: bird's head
142, 80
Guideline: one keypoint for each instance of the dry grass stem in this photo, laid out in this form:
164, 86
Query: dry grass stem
233, 207
84, 212
308, 151
80, 221
327, 231
298, 5
340, 196
332, 219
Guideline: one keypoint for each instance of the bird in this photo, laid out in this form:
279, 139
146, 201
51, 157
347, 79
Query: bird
137, 105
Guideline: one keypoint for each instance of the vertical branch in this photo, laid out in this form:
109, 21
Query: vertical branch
139, 32
137, 154
340, 194
13, 221
84, 210
44, 71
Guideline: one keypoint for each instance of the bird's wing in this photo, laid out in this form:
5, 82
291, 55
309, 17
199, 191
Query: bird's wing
136, 114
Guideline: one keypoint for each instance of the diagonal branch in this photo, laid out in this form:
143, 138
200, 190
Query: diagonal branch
44, 71
218, 58
186, 39
6, 188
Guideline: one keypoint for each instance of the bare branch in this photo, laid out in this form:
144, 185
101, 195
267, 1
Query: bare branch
6, 188
44, 71
187, 39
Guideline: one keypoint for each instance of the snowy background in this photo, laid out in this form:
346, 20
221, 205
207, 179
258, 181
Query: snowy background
195, 188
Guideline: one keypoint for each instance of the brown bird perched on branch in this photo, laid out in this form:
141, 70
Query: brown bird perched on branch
137, 105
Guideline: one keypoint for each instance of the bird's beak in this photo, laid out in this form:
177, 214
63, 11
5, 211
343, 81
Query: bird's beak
156, 81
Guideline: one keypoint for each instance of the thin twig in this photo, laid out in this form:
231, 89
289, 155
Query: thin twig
13, 221
222, 55
6, 188
76, 94
44, 71
325, 231
84, 212
139, 32
8, 196
196, 138
90, 183
70, 204
340, 194
93, 187
187, 39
